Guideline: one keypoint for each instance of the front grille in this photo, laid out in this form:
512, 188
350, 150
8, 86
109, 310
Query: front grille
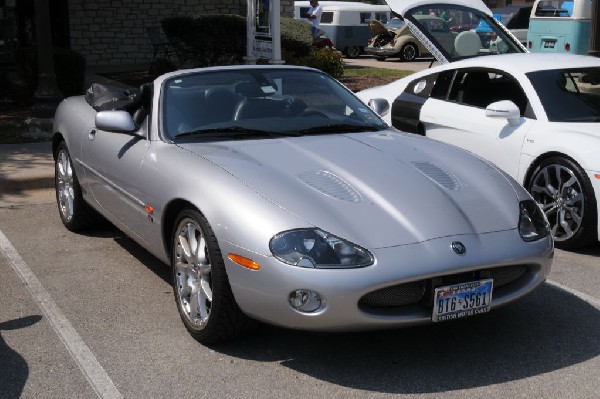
421, 291
396, 295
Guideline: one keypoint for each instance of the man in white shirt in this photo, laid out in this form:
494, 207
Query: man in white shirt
314, 16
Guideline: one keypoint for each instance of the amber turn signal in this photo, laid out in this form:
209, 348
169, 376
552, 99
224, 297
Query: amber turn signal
242, 261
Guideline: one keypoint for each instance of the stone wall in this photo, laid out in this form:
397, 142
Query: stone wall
111, 33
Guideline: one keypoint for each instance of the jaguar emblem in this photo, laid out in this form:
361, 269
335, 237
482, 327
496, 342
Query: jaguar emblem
458, 247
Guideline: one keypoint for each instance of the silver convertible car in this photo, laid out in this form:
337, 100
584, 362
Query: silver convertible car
276, 195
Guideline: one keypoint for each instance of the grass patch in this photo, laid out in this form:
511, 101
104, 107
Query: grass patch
376, 72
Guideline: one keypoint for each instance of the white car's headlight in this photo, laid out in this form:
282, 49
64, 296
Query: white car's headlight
533, 224
316, 248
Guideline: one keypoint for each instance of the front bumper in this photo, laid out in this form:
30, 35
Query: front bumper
263, 294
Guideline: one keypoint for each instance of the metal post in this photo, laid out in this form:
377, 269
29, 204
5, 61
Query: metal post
47, 95
595, 30
250, 17
276, 26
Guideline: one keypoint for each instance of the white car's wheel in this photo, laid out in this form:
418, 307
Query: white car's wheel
566, 196
200, 284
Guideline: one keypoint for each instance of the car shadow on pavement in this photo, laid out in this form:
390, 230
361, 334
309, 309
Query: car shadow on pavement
543, 332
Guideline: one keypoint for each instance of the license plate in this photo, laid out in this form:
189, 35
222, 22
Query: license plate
549, 44
462, 300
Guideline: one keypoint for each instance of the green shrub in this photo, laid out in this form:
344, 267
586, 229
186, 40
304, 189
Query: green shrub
295, 37
69, 68
207, 40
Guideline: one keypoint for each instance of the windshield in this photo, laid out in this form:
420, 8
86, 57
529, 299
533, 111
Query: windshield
460, 32
569, 95
261, 102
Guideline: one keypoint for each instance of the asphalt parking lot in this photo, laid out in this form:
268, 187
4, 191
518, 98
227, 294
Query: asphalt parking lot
93, 314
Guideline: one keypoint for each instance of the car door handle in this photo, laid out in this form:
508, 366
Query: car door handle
92, 135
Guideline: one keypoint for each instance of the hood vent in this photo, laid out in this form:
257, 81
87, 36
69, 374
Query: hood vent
439, 175
330, 185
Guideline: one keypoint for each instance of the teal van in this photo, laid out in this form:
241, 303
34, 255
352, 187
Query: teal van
560, 26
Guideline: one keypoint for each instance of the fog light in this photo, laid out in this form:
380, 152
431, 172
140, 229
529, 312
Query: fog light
305, 300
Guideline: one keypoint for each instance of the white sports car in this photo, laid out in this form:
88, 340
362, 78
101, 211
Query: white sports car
533, 115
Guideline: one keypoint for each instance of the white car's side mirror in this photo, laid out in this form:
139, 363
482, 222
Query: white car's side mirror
380, 106
504, 109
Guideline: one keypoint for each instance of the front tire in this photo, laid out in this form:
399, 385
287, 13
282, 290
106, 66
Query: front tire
409, 52
566, 196
74, 212
200, 284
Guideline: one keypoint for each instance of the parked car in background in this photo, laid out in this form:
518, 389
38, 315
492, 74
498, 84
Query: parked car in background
535, 116
346, 23
560, 26
393, 39
516, 18
275, 194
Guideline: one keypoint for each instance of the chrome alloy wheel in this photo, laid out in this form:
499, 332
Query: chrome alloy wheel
560, 194
193, 273
64, 183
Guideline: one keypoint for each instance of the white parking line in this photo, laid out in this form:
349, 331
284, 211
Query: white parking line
583, 296
87, 362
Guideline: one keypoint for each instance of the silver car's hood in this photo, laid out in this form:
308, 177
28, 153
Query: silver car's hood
375, 189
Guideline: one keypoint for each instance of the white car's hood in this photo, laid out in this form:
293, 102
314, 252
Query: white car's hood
375, 189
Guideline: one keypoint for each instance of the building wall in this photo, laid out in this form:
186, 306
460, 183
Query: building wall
111, 33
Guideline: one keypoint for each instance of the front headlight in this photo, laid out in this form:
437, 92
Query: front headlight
316, 248
533, 224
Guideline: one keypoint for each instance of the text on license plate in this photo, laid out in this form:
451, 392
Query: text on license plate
462, 300
549, 44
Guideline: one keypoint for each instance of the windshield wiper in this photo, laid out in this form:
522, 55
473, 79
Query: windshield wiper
340, 128
593, 118
233, 131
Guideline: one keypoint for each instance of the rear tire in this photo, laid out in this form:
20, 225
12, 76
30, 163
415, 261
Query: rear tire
566, 196
353, 51
409, 52
202, 292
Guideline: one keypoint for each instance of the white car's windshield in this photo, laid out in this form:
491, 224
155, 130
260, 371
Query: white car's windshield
569, 95
261, 102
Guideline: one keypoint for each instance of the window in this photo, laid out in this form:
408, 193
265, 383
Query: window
480, 87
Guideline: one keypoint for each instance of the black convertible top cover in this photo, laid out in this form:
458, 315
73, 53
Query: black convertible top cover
106, 98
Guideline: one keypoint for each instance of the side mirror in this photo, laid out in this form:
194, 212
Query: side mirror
504, 109
380, 106
115, 121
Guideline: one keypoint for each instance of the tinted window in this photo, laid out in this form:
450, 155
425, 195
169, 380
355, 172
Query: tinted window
480, 88
571, 95
327, 17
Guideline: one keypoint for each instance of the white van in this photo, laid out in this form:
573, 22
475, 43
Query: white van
346, 24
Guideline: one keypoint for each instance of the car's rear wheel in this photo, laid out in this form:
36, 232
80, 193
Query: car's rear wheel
353, 51
566, 196
409, 52
74, 212
200, 284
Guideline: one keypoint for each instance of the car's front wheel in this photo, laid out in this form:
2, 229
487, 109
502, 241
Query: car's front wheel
200, 284
74, 212
409, 52
567, 198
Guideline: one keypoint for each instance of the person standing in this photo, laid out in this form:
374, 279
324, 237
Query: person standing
314, 16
